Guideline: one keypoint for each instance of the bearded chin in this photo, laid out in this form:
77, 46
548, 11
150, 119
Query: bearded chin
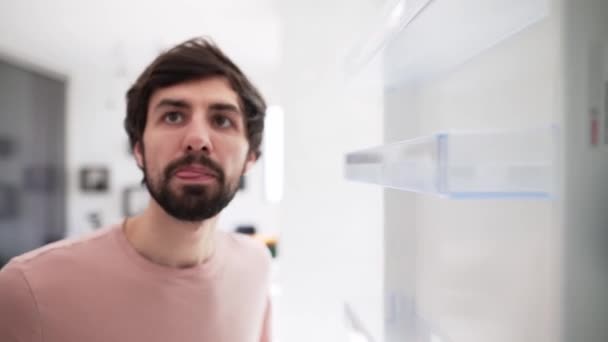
192, 203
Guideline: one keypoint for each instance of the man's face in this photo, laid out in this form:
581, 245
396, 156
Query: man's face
194, 148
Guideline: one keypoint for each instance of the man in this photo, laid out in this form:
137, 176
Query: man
195, 124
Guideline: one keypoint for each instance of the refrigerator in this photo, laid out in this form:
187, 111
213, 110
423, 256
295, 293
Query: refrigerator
494, 168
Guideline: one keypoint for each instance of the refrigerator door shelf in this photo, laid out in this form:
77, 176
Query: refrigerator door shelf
414, 40
463, 165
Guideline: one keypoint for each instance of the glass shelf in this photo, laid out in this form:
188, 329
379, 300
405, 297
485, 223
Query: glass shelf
463, 165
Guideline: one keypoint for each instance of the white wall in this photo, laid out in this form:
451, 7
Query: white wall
95, 138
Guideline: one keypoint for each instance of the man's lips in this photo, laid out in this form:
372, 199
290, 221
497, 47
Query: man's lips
195, 173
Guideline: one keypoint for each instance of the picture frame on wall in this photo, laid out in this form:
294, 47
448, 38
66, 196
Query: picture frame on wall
94, 179
135, 199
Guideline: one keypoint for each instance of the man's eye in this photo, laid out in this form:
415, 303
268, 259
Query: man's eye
173, 117
222, 121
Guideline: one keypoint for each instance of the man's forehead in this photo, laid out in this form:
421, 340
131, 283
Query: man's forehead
197, 92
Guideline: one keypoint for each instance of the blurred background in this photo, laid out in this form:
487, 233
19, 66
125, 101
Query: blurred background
487, 221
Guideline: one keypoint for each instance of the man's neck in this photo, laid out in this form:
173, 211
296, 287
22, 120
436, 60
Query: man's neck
167, 241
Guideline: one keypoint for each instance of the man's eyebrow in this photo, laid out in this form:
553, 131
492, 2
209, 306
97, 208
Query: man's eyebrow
172, 103
224, 106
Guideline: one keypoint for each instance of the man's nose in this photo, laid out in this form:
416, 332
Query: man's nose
198, 136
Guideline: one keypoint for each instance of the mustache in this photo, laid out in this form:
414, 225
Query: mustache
192, 159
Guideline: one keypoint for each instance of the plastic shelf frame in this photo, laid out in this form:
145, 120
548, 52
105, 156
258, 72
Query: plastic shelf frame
463, 165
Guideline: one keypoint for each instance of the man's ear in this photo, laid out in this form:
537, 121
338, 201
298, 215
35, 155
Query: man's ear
252, 157
138, 153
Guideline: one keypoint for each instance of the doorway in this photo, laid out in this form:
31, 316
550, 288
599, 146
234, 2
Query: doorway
32, 159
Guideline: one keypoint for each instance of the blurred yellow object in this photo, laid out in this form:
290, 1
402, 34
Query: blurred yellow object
270, 241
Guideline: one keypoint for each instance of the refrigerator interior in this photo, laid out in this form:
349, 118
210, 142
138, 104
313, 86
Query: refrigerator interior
516, 82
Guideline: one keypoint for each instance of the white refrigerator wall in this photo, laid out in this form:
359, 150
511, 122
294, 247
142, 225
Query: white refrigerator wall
476, 270
331, 230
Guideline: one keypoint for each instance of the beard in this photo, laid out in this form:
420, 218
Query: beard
192, 202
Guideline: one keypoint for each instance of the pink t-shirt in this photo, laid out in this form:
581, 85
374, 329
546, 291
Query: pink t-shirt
98, 288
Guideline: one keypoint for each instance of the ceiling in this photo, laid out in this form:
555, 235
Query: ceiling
65, 36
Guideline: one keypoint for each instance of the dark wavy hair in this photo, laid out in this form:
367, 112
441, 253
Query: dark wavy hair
194, 59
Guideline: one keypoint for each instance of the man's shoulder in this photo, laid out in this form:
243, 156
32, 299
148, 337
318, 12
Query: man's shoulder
250, 259
73, 248
247, 246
